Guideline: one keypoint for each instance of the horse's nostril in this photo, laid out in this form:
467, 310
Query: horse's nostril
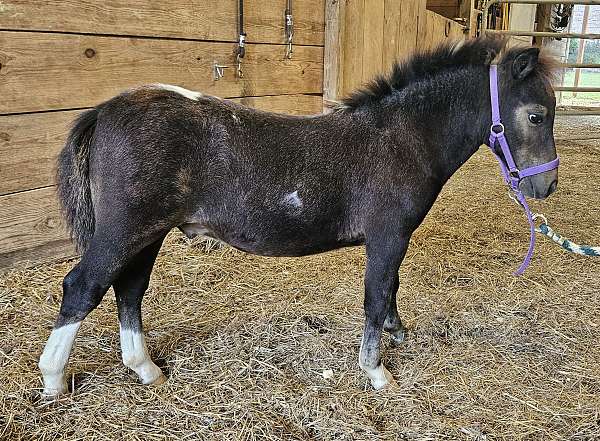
552, 187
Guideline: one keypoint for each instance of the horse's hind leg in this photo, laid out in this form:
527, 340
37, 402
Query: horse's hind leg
83, 289
392, 323
129, 288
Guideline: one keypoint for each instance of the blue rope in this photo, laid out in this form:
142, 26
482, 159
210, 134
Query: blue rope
584, 250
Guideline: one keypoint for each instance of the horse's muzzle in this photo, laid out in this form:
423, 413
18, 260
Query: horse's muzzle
540, 186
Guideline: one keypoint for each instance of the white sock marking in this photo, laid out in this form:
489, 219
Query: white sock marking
55, 357
136, 357
380, 377
180, 90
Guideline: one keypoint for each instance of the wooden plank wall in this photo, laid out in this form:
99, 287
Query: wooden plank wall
365, 37
445, 8
59, 57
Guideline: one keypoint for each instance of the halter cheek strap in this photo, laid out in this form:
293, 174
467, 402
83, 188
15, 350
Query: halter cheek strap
511, 173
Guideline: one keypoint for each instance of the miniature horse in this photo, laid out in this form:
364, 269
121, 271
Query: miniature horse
159, 157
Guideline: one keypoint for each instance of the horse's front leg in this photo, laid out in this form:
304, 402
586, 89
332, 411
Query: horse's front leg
384, 256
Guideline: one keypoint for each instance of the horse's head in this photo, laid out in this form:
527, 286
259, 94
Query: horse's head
527, 105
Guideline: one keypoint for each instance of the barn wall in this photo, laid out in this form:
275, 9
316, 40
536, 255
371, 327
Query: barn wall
60, 57
365, 37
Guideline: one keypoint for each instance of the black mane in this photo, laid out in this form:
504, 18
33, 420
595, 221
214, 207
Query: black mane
478, 51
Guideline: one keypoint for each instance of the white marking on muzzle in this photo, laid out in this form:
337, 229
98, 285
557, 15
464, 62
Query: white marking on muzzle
180, 90
55, 357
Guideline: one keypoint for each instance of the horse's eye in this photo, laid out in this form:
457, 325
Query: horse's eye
536, 118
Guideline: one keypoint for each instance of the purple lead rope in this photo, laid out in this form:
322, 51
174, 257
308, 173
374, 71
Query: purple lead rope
512, 175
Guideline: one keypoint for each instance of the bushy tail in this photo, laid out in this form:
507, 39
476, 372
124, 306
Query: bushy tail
73, 179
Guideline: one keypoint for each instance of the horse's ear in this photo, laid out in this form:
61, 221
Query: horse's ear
525, 62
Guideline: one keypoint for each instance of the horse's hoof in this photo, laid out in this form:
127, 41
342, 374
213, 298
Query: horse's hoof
391, 385
383, 380
53, 394
54, 387
162, 378
398, 337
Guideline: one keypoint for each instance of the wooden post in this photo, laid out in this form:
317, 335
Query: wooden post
469, 13
333, 63
581, 49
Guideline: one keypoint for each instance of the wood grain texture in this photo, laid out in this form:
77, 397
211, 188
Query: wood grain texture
435, 29
407, 30
353, 45
55, 71
30, 143
31, 229
400, 30
290, 104
333, 63
391, 34
195, 19
445, 11
373, 34
431, 3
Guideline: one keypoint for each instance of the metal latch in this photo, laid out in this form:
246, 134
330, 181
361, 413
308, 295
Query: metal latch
218, 72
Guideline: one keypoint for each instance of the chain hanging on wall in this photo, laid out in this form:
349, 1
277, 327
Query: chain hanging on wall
241, 49
289, 29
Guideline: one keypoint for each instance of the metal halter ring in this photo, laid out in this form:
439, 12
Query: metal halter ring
497, 125
537, 216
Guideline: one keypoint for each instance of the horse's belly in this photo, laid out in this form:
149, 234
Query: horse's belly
274, 241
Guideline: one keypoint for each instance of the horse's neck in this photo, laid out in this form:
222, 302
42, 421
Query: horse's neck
456, 117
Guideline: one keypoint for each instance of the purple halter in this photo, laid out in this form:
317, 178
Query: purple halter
512, 175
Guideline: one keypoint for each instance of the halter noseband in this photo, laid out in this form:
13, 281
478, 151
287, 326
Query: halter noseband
511, 173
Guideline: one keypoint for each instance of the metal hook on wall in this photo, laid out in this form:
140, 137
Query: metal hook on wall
241, 49
240, 54
218, 72
289, 29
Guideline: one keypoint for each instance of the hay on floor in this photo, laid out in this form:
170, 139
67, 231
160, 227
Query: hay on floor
246, 341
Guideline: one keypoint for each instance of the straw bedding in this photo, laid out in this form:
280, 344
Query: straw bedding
265, 348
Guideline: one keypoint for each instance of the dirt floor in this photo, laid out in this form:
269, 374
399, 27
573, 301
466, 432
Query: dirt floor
245, 340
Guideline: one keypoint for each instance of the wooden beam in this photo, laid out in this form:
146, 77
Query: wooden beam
581, 47
31, 229
353, 45
55, 71
435, 29
445, 11
373, 45
451, 3
333, 63
407, 36
289, 104
391, 32
195, 19
30, 143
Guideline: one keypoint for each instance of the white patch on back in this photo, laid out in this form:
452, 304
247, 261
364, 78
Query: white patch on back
55, 357
293, 199
180, 90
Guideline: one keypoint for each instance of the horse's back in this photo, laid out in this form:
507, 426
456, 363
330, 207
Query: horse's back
262, 182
